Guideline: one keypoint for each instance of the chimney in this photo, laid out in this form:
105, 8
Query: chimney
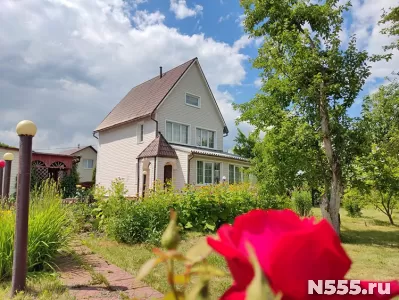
160, 72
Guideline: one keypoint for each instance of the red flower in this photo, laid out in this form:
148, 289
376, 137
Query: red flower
290, 251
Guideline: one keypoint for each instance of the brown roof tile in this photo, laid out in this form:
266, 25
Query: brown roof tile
143, 99
158, 147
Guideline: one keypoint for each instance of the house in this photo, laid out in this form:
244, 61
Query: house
168, 128
46, 165
87, 163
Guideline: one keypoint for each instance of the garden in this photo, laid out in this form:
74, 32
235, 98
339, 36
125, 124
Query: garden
125, 233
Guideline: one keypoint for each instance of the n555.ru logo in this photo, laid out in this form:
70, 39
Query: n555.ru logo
343, 287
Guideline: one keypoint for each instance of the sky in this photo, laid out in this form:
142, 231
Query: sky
64, 64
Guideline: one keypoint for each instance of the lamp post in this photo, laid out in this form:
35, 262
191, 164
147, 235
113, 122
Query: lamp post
8, 157
26, 131
2, 165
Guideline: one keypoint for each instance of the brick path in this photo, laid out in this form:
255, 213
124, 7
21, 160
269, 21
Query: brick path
78, 279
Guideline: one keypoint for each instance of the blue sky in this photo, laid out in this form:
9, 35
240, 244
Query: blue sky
66, 63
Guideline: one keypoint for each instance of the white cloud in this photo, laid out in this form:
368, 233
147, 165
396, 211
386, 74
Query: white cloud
224, 18
182, 11
258, 82
66, 64
143, 18
240, 20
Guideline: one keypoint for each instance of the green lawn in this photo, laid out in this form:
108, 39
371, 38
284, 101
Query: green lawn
40, 286
370, 241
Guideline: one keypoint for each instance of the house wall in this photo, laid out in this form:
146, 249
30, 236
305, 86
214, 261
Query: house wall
174, 108
86, 153
117, 154
224, 165
180, 171
14, 167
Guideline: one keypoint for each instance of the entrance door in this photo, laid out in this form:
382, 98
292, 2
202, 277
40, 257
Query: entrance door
167, 175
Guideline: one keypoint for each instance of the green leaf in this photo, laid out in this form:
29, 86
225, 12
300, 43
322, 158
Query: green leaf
199, 251
210, 226
147, 268
188, 225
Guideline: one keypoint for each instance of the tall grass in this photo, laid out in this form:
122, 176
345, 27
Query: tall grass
48, 230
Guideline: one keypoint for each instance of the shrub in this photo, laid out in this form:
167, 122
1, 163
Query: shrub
302, 201
353, 202
48, 230
202, 209
68, 183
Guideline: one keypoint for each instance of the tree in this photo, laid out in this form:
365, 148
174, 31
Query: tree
309, 73
3, 145
379, 168
391, 18
69, 182
245, 144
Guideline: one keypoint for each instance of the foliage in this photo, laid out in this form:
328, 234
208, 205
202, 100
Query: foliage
34, 178
302, 202
93, 175
309, 76
391, 18
48, 230
245, 144
354, 202
69, 182
200, 209
4, 145
378, 170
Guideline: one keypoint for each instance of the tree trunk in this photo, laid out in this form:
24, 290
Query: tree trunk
331, 203
390, 219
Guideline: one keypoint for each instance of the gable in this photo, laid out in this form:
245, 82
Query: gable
193, 82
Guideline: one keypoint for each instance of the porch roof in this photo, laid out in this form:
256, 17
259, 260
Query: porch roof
159, 147
206, 152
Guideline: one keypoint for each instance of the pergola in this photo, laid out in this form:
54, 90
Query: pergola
51, 165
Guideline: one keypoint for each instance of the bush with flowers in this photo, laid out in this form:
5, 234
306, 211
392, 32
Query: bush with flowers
271, 254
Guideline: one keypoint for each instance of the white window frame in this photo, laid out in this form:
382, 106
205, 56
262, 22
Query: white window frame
139, 132
215, 138
193, 95
179, 123
84, 164
241, 172
213, 171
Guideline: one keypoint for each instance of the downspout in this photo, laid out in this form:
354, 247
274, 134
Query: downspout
138, 176
155, 169
190, 157
94, 134
156, 125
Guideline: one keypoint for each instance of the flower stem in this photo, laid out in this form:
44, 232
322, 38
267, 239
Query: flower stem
171, 278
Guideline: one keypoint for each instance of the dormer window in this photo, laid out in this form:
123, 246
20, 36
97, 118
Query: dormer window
193, 100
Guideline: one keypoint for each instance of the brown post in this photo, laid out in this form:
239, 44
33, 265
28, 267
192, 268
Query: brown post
26, 131
8, 157
2, 165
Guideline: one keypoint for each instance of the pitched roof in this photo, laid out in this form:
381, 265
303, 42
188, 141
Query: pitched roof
143, 99
158, 147
77, 149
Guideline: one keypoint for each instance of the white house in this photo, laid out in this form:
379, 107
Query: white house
87, 161
168, 128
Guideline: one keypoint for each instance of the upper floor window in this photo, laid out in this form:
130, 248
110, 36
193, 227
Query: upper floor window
140, 134
88, 163
193, 100
176, 133
205, 138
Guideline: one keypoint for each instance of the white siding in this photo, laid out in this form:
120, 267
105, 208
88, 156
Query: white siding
86, 153
14, 167
179, 172
174, 108
117, 154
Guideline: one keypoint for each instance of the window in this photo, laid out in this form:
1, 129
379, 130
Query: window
141, 133
208, 172
205, 138
88, 163
192, 100
176, 133
236, 174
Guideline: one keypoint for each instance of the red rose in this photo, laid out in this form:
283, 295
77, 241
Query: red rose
290, 250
